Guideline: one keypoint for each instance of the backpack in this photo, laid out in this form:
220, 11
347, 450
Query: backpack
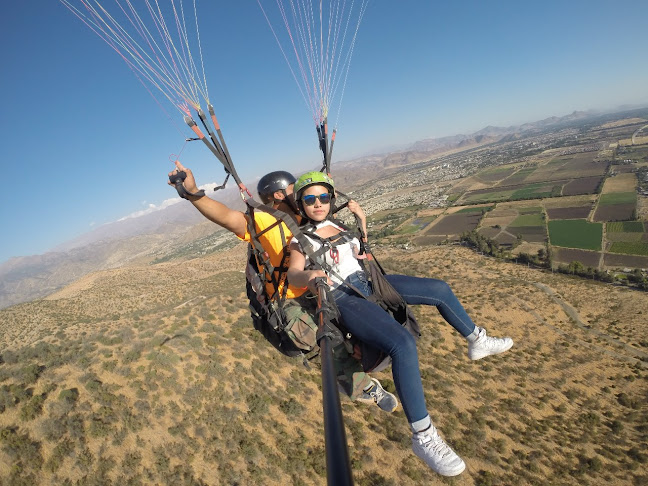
289, 328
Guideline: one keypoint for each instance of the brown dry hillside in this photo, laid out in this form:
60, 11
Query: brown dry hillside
153, 375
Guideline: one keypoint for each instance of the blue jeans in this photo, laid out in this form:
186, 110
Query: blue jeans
371, 324
431, 291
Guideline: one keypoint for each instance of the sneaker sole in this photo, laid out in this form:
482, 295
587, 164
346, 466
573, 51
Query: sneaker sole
387, 410
445, 472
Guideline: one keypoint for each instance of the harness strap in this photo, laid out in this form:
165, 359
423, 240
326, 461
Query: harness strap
276, 276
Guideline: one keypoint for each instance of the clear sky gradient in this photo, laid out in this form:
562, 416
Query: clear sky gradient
84, 143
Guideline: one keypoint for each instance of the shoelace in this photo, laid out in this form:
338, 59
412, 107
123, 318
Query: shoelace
490, 342
377, 394
485, 340
437, 445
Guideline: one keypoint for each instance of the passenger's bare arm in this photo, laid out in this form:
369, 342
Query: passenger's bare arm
297, 275
214, 211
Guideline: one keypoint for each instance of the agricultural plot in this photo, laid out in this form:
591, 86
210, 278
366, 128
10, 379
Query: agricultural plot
530, 225
489, 232
583, 185
505, 239
575, 167
620, 183
627, 237
531, 216
636, 153
428, 240
568, 255
622, 122
516, 193
539, 190
475, 209
500, 216
617, 212
583, 200
455, 224
625, 231
414, 225
624, 169
495, 175
630, 261
489, 195
518, 177
576, 233
533, 234
616, 206
629, 248
580, 212
634, 227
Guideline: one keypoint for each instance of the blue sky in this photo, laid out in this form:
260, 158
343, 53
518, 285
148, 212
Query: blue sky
85, 144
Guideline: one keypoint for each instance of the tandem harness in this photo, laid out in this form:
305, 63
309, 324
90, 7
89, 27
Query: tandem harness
269, 311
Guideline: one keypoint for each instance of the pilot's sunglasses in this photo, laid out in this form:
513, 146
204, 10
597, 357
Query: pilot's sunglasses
310, 199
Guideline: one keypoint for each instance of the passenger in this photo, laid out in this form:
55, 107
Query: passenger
367, 321
276, 189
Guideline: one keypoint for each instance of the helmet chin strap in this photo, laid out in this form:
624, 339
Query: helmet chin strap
291, 204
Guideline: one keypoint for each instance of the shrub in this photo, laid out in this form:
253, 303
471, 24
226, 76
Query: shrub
291, 407
11, 395
627, 401
131, 462
487, 478
63, 449
33, 408
21, 448
30, 373
636, 454
69, 396
257, 404
374, 478
84, 459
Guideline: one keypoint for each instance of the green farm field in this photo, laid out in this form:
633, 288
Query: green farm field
478, 209
576, 233
493, 196
625, 227
415, 225
530, 191
618, 198
534, 219
629, 248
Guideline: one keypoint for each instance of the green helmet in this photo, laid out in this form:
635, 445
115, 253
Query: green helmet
313, 178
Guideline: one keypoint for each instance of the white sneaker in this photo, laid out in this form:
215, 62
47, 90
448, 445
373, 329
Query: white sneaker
438, 455
485, 346
385, 400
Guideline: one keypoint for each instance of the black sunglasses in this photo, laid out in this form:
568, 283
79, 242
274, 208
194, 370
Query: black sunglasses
323, 198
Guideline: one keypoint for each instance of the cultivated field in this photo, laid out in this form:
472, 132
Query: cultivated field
567, 255
454, 224
576, 233
621, 183
616, 206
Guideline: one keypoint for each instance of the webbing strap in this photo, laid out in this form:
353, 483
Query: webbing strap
303, 241
270, 270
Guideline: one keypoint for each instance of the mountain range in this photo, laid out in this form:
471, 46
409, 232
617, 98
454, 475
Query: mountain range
177, 229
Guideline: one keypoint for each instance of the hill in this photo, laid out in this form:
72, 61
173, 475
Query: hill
177, 229
152, 374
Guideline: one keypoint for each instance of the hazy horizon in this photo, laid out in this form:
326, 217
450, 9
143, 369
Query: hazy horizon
88, 145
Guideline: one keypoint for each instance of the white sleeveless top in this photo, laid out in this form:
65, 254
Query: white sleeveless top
344, 263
